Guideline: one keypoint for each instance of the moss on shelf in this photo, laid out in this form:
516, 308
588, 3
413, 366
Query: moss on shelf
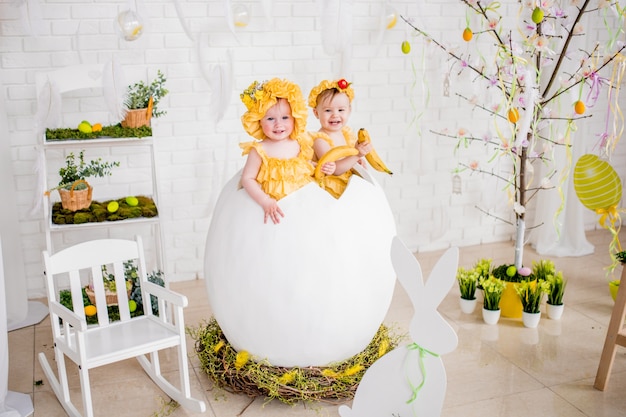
112, 131
97, 212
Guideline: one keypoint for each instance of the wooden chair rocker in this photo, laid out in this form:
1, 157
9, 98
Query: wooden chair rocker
106, 342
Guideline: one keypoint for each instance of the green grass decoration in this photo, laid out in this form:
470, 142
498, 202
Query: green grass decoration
108, 132
97, 212
234, 372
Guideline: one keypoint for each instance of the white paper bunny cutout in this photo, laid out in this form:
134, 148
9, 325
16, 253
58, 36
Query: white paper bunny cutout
411, 380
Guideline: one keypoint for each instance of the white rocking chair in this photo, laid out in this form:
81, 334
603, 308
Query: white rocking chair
94, 345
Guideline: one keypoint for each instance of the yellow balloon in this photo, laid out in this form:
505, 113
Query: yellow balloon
596, 183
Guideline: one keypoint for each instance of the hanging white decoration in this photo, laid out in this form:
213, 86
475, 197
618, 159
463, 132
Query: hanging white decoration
336, 30
241, 15
115, 88
30, 16
48, 107
130, 25
220, 80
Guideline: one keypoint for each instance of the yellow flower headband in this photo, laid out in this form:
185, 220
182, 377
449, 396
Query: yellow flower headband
259, 97
341, 85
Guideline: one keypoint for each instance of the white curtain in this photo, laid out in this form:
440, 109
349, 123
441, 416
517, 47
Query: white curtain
565, 235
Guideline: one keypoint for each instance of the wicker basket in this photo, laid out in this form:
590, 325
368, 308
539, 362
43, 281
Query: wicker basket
111, 296
76, 199
138, 117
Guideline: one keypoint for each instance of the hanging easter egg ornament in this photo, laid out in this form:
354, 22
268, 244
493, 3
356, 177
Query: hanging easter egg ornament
513, 115
130, 25
537, 15
391, 17
579, 107
406, 47
599, 188
596, 183
241, 16
467, 34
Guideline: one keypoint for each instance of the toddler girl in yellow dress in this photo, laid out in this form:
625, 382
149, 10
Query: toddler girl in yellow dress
279, 161
332, 104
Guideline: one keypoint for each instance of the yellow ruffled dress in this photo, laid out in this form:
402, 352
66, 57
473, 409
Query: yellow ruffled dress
280, 177
336, 184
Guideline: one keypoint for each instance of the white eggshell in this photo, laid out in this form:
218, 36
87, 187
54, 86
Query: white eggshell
311, 290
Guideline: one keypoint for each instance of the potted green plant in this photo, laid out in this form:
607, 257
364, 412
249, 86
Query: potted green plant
614, 284
492, 293
73, 188
468, 283
510, 303
142, 101
544, 270
530, 294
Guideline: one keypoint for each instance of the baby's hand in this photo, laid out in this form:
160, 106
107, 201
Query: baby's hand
364, 148
272, 211
329, 168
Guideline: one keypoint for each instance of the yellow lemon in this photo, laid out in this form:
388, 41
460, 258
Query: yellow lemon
90, 310
132, 201
113, 206
467, 34
579, 107
406, 47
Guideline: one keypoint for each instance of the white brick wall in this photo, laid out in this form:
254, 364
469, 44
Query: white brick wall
196, 157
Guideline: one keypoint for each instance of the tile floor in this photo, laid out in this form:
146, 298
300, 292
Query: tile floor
503, 370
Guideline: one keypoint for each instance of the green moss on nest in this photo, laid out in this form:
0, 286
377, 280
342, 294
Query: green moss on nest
97, 212
334, 384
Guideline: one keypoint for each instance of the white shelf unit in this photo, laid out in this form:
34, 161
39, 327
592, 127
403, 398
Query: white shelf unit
89, 78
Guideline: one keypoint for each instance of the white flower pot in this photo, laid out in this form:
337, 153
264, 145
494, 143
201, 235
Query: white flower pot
491, 316
555, 311
467, 306
531, 320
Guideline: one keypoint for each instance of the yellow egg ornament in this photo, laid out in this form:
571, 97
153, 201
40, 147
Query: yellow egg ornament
129, 25
241, 16
90, 310
596, 183
391, 17
310, 291
113, 206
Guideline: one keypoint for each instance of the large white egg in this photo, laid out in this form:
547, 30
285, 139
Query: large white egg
311, 290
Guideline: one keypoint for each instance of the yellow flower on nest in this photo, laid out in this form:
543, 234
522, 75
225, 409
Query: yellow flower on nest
329, 373
383, 347
241, 359
354, 369
287, 378
218, 346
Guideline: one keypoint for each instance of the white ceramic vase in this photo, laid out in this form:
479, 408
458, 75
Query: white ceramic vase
531, 320
491, 316
554, 311
467, 306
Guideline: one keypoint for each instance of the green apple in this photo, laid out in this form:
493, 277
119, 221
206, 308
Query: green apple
132, 201
113, 206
